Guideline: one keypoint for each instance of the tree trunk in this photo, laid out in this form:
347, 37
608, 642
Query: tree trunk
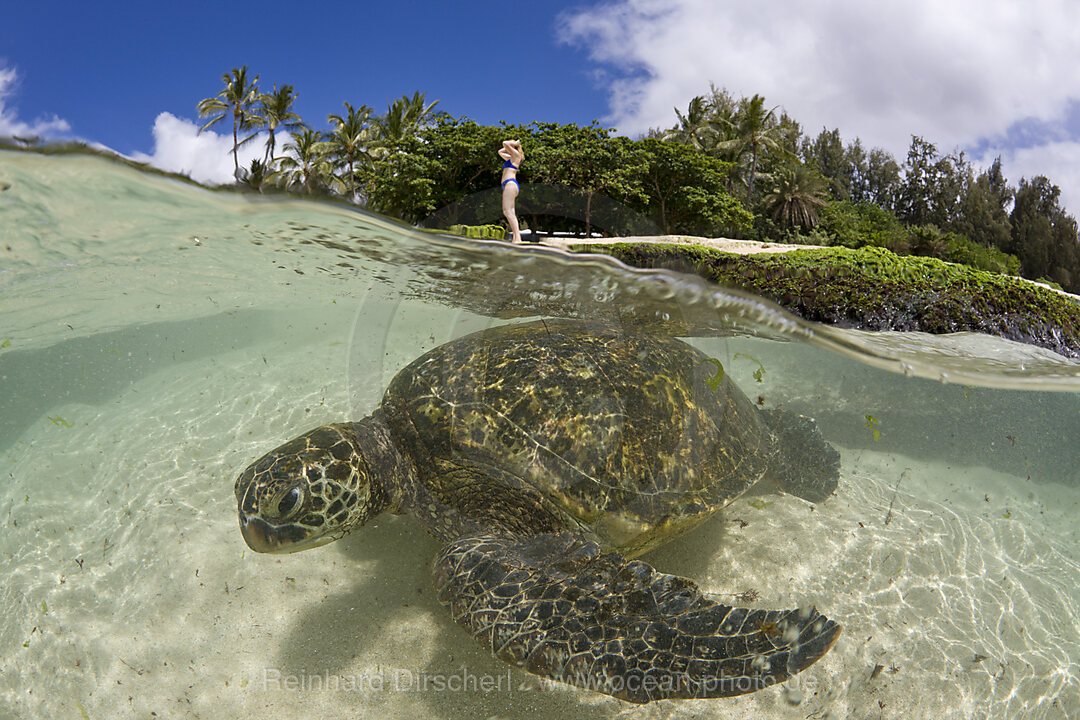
269, 147
235, 144
753, 171
588, 215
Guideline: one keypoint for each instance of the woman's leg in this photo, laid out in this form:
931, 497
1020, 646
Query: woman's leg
510, 192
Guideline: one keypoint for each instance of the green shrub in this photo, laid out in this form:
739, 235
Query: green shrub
854, 225
930, 241
966, 251
479, 232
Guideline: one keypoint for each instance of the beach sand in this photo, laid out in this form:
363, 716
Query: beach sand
128, 589
743, 247
160, 338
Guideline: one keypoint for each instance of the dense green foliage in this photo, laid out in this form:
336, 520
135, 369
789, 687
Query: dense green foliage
449, 162
684, 191
939, 206
730, 166
819, 190
853, 225
875, 289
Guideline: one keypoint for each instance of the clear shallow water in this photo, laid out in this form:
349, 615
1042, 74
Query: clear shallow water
158, 337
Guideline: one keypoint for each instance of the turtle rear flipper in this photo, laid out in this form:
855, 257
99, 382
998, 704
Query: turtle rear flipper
805, 466
557, 607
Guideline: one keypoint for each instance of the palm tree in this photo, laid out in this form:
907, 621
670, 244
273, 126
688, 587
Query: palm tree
349, 140
403, 118
927, 240
307, 165
756, 131
254, 176
237, 99
698, 128
275, 111
796, 196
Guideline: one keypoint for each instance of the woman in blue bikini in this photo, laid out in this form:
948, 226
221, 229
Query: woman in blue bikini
512, 154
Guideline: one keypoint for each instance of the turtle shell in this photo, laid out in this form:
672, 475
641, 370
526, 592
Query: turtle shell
630, 438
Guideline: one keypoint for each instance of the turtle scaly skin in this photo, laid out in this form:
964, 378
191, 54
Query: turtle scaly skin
544, 456
555, 606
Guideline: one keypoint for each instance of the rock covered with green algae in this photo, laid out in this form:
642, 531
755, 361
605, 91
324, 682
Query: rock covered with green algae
875, 289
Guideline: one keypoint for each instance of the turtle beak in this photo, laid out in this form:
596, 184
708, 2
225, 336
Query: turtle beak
259, 534
263, 537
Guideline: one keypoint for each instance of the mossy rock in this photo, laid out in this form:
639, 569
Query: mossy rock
875, 289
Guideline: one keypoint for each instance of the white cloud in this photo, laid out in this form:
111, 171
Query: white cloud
205, 157
958, 73
11, 126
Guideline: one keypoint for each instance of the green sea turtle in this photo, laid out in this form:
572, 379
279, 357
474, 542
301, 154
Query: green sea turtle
543, 455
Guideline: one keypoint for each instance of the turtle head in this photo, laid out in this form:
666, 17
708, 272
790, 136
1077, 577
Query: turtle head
312, 490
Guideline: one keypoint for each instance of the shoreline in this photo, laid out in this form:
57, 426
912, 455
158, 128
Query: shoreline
741, 247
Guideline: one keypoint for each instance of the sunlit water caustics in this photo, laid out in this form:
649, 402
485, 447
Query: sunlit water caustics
157, 337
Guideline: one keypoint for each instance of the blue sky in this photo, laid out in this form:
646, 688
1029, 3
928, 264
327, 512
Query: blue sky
110, 68
986, 76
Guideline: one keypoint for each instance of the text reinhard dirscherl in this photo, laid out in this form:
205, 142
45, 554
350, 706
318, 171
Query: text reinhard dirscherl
395, 679
460, 680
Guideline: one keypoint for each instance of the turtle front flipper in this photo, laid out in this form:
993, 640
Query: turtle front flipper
806, 466
557, 607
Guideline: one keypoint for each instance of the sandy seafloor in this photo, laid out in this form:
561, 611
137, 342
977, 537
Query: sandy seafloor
129, 592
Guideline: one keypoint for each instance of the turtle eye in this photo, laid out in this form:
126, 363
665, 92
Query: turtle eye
289, 503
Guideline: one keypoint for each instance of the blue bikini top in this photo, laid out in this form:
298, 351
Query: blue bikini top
509, 164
